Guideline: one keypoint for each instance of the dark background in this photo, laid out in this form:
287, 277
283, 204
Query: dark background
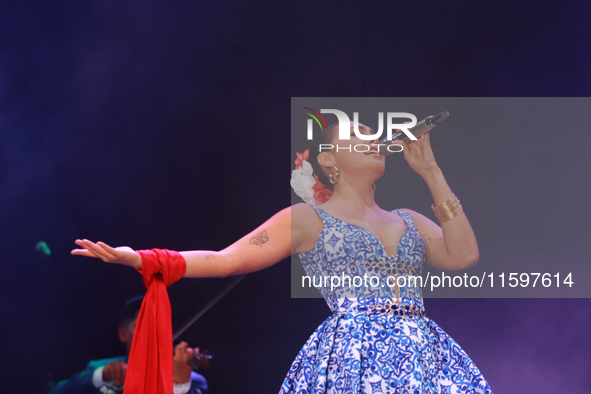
154, 124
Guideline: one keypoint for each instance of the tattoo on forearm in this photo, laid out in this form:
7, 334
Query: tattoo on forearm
260, 238
207, 255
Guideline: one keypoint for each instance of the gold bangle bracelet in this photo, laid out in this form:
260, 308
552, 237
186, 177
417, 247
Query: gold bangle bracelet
455, 206
447, 210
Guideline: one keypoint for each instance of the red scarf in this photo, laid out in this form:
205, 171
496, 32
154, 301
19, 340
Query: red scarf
150, 365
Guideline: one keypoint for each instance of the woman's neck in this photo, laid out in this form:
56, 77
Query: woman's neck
358, 195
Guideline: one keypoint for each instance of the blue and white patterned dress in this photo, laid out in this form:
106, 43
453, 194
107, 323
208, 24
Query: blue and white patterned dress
378, 339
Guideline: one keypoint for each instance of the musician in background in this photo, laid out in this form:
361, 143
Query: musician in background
108, 375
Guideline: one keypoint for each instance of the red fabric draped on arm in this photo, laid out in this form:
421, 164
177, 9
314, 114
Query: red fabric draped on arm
150, 368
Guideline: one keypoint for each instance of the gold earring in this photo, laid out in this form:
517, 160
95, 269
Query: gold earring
336, 176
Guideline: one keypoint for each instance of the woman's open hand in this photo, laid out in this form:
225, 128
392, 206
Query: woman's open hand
418, 154
121, 255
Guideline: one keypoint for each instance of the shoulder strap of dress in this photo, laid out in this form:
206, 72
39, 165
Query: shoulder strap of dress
323, 218
407, 217
320, 213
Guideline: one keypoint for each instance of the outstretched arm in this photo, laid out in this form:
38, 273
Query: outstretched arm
266, 245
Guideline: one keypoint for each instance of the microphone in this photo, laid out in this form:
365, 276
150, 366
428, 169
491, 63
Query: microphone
421, 128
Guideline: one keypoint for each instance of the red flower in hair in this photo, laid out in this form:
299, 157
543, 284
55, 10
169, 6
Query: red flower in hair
321, 192
305, 184
301, 158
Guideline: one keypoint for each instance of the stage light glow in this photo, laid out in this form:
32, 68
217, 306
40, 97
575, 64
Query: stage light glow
42, 248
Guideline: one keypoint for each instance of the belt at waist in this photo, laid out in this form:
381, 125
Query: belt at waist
395, 308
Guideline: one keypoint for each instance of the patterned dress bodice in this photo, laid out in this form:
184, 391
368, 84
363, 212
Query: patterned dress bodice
344, 250
367, 345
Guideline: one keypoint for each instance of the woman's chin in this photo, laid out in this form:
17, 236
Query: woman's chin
376, 165
375, 171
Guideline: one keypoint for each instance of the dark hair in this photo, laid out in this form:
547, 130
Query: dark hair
130, 310
324, 137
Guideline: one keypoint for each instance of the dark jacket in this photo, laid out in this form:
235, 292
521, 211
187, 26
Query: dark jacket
81, 383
